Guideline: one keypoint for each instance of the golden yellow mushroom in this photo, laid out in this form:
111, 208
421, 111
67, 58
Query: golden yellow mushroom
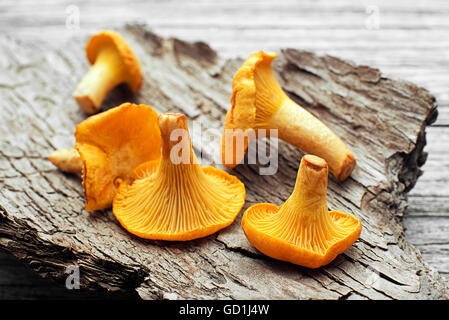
175, 198
258, 102
111, 145
67, 160
113, 62
302, 230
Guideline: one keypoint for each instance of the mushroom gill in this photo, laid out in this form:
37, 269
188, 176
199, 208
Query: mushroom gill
175, 198
302, 230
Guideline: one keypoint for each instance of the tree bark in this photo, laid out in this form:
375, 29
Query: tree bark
42, 216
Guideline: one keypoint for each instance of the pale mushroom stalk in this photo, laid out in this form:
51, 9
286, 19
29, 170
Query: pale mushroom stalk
105, 74
300, 128
259, 103
307, 205
180, 149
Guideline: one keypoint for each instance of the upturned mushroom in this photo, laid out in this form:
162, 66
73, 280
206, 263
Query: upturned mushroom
113, 62
258, 102
111, 145
175, 198
302, 230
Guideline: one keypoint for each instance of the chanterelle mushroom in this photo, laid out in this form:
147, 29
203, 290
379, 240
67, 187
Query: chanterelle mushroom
258, 102
302, 230
67, 160
177, 199
113, 62
111, 145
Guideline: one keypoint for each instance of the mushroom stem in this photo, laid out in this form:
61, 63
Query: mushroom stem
307, 205
309, 194
104, 75
67, 160
176, 143
300, 128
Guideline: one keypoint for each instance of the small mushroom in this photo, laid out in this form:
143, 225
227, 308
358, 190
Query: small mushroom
177, 200
111, 145
258, 102
67, 160
302, 230
113, 62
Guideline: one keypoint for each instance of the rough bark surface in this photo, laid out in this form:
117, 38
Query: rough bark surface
42, 216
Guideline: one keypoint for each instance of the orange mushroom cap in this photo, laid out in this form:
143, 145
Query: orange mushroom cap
109, 38
175, 198
111, 144
302, 230
243, 111
259, 103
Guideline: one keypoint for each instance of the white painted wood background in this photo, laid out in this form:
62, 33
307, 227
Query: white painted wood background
404, 39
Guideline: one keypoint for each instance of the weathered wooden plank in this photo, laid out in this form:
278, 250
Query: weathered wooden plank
42, 214
436, 174
427, 206
429, 234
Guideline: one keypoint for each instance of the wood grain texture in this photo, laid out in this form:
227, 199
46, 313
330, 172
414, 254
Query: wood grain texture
43, 223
